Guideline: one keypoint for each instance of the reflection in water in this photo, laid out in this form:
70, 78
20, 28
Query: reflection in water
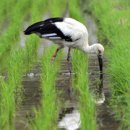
70, 121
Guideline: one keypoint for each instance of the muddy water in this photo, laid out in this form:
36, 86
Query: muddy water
69, 112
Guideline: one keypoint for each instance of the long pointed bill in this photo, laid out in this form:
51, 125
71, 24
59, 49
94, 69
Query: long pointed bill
101, 73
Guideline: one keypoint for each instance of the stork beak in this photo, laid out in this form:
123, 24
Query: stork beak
100, 60
26, 32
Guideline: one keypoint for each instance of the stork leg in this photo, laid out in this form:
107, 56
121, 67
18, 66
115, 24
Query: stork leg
70, 72
68, 56
68, 59
101, 73
55, 54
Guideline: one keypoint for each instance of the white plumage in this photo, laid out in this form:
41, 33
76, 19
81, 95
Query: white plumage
67, 32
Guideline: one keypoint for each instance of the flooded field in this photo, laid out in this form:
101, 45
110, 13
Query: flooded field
36, 94
69, 117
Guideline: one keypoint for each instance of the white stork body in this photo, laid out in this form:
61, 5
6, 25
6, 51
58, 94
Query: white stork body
76, 30
67, 32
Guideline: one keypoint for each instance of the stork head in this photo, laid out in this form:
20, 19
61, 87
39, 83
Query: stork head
97, 49
34, 28
29, 30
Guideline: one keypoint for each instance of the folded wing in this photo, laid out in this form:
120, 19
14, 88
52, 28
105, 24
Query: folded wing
53, 29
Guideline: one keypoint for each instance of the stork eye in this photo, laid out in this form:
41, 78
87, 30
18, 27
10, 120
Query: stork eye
99, 51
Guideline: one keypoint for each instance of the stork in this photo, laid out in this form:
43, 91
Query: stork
68, 32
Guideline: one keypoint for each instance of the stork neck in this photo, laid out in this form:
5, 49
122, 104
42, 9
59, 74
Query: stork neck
89, 49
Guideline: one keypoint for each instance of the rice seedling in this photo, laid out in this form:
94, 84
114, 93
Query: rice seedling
11, 89
22, 60
113, 24
10, 37
57, 7
47, 115
6, 106
5, 13
10, 86
81, 84
75, 10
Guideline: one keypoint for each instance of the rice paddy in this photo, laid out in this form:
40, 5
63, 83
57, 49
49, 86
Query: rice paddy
114, 30
18, 59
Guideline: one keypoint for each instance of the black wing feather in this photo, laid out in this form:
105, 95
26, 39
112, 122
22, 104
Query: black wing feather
46, 28
34, 27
